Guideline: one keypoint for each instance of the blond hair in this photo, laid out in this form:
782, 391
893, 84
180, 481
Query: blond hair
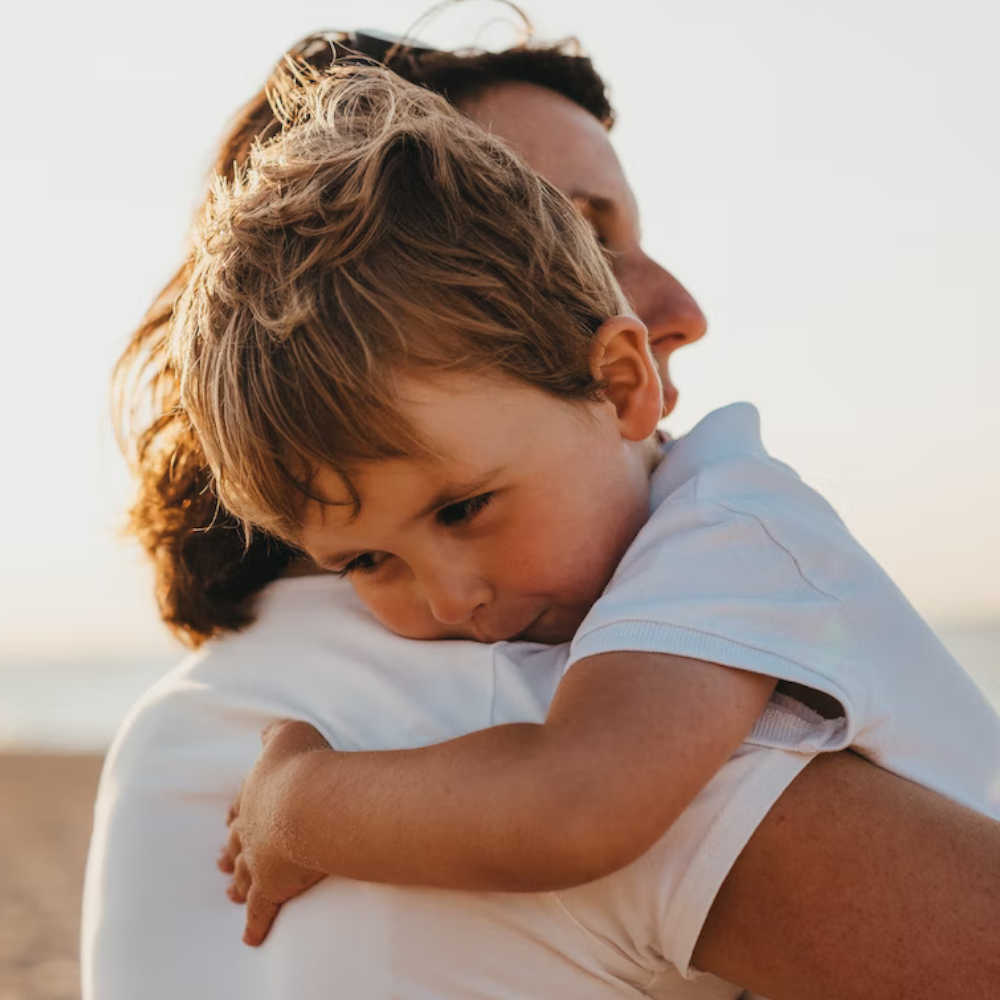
378, 232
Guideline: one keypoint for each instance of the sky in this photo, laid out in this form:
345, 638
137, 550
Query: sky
823, 176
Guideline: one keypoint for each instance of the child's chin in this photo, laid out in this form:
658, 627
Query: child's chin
430, 632
553, 627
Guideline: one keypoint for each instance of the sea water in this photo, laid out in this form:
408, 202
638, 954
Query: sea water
76, 705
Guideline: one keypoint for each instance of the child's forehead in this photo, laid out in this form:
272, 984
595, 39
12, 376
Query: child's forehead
471, 431
459, 415
449, 424
398, 483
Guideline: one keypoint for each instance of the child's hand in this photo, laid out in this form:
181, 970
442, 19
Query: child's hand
263, 877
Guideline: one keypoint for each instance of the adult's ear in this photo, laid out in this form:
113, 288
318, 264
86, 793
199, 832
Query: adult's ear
620, 357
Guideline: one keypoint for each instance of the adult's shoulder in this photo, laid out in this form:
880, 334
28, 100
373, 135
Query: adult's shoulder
239, 680
312, 653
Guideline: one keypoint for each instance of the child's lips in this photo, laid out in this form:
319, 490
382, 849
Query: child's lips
553, 626
509, 634
528, 628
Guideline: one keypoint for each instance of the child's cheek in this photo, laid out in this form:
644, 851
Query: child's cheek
554, 558
396, 602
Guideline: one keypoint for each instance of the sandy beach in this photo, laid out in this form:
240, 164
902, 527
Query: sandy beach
47, 802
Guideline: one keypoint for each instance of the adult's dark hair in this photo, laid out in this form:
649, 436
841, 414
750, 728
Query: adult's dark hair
206, 572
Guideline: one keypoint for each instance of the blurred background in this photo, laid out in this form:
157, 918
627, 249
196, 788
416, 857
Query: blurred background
823, 176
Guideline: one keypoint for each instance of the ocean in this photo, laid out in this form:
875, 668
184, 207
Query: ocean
76, 705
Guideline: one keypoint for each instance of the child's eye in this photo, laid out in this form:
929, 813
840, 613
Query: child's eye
464, 510
366, 562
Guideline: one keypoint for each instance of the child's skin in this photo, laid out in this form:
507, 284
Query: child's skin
512, 533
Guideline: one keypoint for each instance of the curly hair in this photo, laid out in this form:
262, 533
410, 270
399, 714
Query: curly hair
206, 569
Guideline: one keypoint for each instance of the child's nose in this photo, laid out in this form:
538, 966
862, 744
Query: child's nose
454, 595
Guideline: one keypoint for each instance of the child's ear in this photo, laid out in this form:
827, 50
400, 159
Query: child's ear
620, 357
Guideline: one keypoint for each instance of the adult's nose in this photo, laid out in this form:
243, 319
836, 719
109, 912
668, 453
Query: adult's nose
668, 309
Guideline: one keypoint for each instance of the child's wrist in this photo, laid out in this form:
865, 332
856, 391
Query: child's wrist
304, 826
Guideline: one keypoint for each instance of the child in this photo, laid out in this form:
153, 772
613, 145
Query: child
404, 353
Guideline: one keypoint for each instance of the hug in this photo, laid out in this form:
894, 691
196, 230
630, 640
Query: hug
409, 381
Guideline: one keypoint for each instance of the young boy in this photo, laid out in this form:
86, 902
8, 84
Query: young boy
404, 353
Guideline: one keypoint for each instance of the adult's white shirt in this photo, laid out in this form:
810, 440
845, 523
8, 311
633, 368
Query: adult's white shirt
157, 923
740, 563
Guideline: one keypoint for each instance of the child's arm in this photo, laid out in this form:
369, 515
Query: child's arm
629, 741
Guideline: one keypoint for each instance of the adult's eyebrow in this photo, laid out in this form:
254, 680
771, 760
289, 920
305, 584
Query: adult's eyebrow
606, 205
598, 202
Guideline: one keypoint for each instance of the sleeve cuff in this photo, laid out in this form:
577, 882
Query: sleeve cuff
785, 724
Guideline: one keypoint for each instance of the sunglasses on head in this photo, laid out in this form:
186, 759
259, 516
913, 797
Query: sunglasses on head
322, 48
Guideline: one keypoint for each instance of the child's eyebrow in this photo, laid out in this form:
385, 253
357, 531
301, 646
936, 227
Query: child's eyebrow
453, 492
446, 494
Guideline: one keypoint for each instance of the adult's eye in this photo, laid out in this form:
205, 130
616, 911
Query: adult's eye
464, 510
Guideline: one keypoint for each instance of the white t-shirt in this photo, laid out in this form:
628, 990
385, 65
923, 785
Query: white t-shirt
157, 923
741, 563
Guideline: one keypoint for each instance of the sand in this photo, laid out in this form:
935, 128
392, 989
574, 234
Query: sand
46, 806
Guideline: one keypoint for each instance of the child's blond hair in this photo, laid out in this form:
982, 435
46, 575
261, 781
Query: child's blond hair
379, 232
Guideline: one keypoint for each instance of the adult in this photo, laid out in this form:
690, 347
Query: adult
786, 921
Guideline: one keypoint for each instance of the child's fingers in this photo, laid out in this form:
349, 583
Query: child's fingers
233, 848
230, 852
240, 885
285, 736
234, 809
270, 729
226, 861
260, 915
